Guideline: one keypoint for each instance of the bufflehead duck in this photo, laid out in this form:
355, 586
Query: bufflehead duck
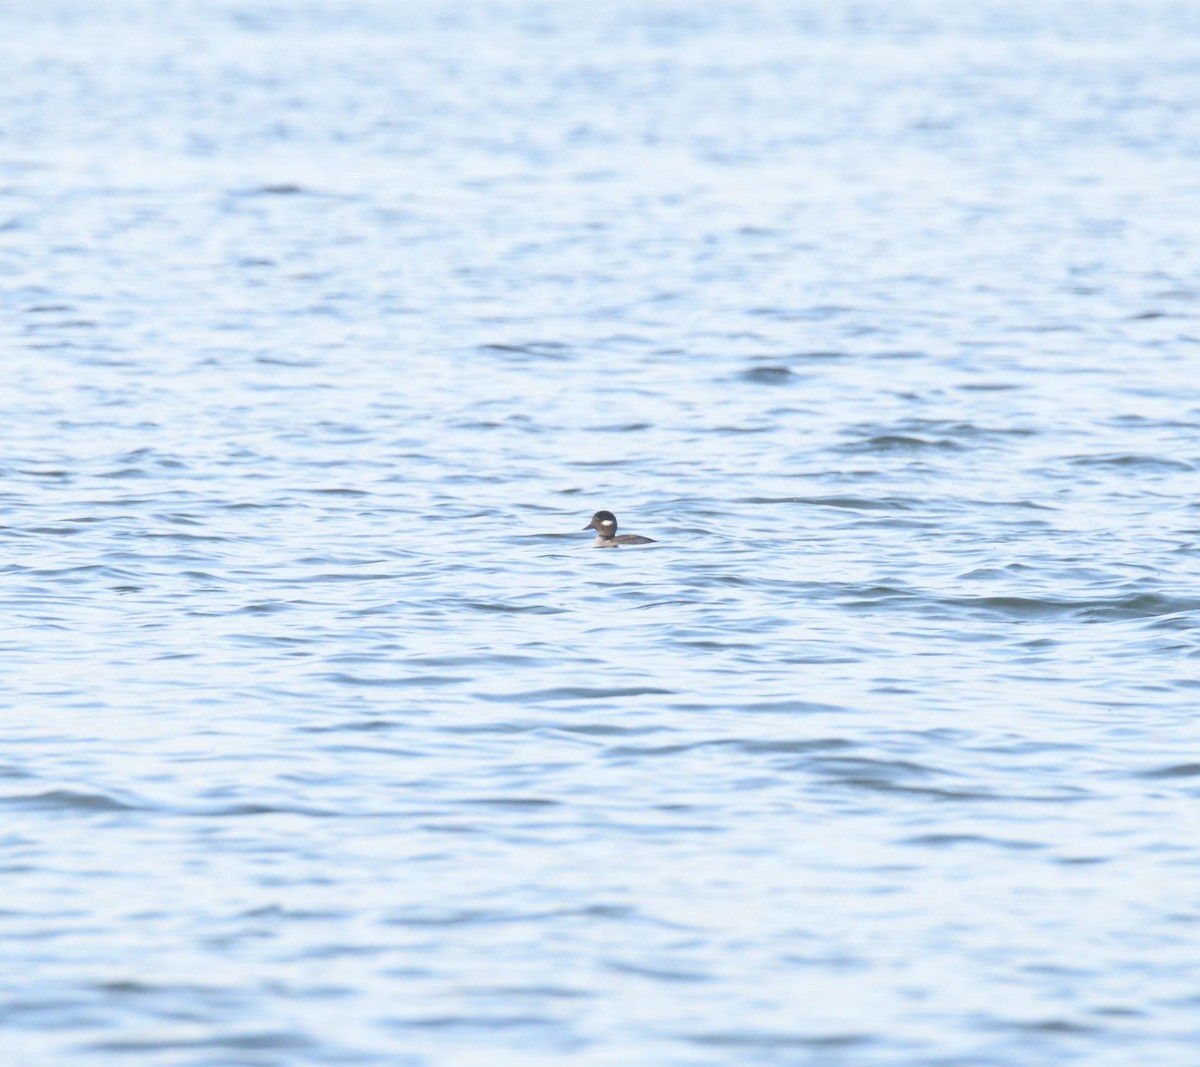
605, 525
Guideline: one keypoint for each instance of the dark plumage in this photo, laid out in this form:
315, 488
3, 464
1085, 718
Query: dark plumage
605, 525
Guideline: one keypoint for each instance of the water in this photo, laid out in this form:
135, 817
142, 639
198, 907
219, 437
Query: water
327, 736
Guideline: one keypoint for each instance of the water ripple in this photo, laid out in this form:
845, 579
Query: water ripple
330, 738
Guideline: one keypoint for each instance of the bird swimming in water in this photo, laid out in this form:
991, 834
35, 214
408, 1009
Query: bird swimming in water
605, 525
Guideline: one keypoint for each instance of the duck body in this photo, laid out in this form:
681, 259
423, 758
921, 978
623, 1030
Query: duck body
605, 525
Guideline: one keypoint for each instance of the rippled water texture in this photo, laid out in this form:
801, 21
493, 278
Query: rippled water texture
328, 738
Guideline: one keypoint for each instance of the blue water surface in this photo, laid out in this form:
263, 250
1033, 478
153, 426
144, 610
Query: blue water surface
328, 738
